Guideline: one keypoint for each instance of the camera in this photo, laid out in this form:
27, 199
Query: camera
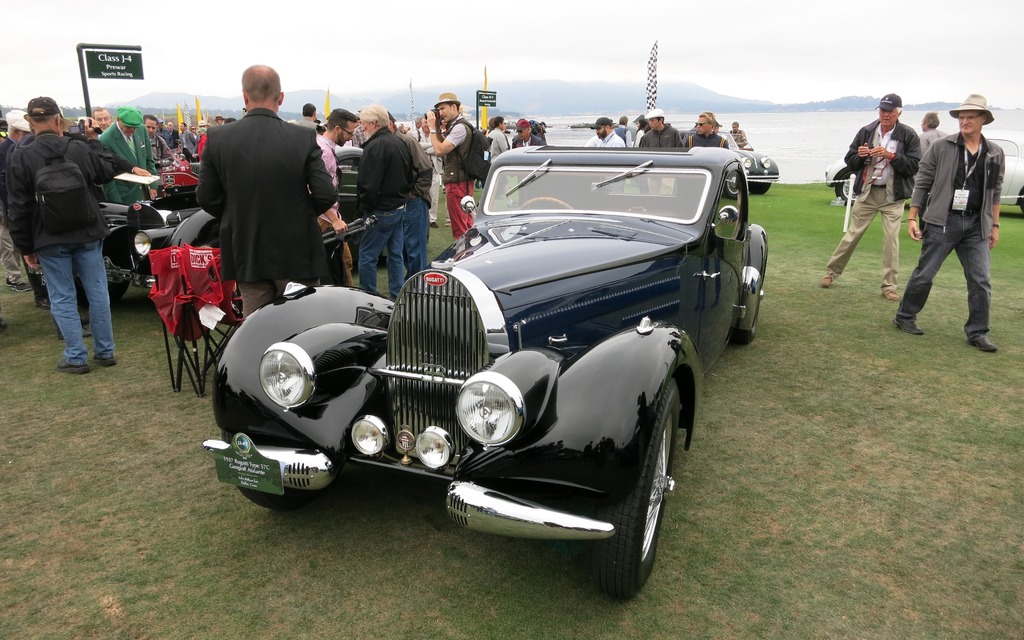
437, 115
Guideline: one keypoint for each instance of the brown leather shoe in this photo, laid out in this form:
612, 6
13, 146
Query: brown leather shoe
827, 281
890, 294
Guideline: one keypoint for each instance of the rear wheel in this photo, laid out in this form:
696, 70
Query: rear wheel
746, 336
622, 563
1020, 200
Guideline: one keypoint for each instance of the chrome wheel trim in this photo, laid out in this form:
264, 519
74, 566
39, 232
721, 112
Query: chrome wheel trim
659, 485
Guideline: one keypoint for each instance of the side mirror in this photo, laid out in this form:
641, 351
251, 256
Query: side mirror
468, 204
728, 224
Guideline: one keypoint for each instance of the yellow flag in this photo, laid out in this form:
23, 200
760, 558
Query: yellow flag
199, 112
180, 120
483, 110
327, 104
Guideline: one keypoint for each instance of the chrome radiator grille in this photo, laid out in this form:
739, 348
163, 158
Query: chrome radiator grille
436, 330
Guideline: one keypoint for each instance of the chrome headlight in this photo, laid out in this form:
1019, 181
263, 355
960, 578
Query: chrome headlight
747, 162
370, 435
490, 408
434, 447
143, 243
766, 162
286, 374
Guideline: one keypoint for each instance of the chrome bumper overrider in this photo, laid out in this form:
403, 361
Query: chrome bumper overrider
481, 509
307, 469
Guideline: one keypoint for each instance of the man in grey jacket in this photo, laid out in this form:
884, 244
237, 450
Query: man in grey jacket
958, 186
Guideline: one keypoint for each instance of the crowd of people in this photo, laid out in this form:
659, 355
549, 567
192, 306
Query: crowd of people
273, 185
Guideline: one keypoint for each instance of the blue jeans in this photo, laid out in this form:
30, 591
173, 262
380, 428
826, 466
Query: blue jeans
415, 224
61, 263
963, 235
388, 232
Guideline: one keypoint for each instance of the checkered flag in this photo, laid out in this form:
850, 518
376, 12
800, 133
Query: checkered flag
188, 116
652, 78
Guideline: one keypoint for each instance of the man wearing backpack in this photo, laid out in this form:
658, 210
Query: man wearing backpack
452, 144
55, 222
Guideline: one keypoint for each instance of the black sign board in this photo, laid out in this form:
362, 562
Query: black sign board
487, 98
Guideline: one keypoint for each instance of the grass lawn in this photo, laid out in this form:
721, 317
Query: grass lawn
845, 481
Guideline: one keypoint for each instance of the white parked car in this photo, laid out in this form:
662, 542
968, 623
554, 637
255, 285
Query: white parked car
1012, 142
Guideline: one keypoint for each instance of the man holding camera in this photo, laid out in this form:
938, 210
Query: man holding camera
451, 145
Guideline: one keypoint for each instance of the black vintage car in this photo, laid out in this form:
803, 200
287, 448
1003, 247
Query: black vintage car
541, 370
177, 219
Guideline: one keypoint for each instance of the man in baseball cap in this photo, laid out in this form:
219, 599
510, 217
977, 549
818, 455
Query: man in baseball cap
605, 136
884, 156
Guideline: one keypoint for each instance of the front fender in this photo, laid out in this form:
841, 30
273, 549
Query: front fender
346, 326
593, 425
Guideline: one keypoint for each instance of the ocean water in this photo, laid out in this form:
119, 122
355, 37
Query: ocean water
802, 144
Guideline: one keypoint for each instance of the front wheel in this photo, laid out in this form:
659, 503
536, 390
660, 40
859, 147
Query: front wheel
841, 183
759, 188
622, 563
116, 290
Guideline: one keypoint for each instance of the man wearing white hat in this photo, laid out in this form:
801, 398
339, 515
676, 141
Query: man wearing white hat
660, 134
960, 180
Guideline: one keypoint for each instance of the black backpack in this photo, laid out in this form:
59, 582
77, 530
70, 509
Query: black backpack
65, 201
477, 162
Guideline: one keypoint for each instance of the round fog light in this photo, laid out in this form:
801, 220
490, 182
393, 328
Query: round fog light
369, 435
142, 243
434, 447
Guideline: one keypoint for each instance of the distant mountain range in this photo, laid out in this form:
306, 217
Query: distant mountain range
530, 99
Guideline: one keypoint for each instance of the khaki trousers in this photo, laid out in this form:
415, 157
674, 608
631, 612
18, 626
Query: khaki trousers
861, 216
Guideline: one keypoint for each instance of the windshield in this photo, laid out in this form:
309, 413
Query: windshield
678, 194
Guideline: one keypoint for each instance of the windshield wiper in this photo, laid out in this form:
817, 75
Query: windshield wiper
530, 177
629, 173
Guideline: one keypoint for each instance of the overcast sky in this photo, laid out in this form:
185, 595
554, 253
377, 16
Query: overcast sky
786, 51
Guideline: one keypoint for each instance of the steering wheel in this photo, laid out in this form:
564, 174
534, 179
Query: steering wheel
547, 200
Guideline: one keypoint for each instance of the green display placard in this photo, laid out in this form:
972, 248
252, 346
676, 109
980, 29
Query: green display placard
244, 466
114, 65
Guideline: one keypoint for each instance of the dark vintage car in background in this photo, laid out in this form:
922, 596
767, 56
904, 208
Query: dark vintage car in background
761, 170
541, 371
176, 219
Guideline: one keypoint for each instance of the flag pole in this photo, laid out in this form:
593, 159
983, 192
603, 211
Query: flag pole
652, 78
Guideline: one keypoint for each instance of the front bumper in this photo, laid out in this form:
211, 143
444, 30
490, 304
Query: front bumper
307, 470
480, 509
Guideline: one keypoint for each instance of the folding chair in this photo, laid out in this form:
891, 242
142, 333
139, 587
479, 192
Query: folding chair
188, 290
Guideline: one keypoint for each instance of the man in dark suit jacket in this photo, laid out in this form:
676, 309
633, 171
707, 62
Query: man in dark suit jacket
265, 180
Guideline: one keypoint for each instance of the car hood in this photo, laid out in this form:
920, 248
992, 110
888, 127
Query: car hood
515, 252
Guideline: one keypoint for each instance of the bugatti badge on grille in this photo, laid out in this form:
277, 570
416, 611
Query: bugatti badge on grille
435, 279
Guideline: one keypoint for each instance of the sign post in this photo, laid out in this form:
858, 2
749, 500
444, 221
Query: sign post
109, 62
485, 99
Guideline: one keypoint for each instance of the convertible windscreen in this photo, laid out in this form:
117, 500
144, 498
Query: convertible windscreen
678, 195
